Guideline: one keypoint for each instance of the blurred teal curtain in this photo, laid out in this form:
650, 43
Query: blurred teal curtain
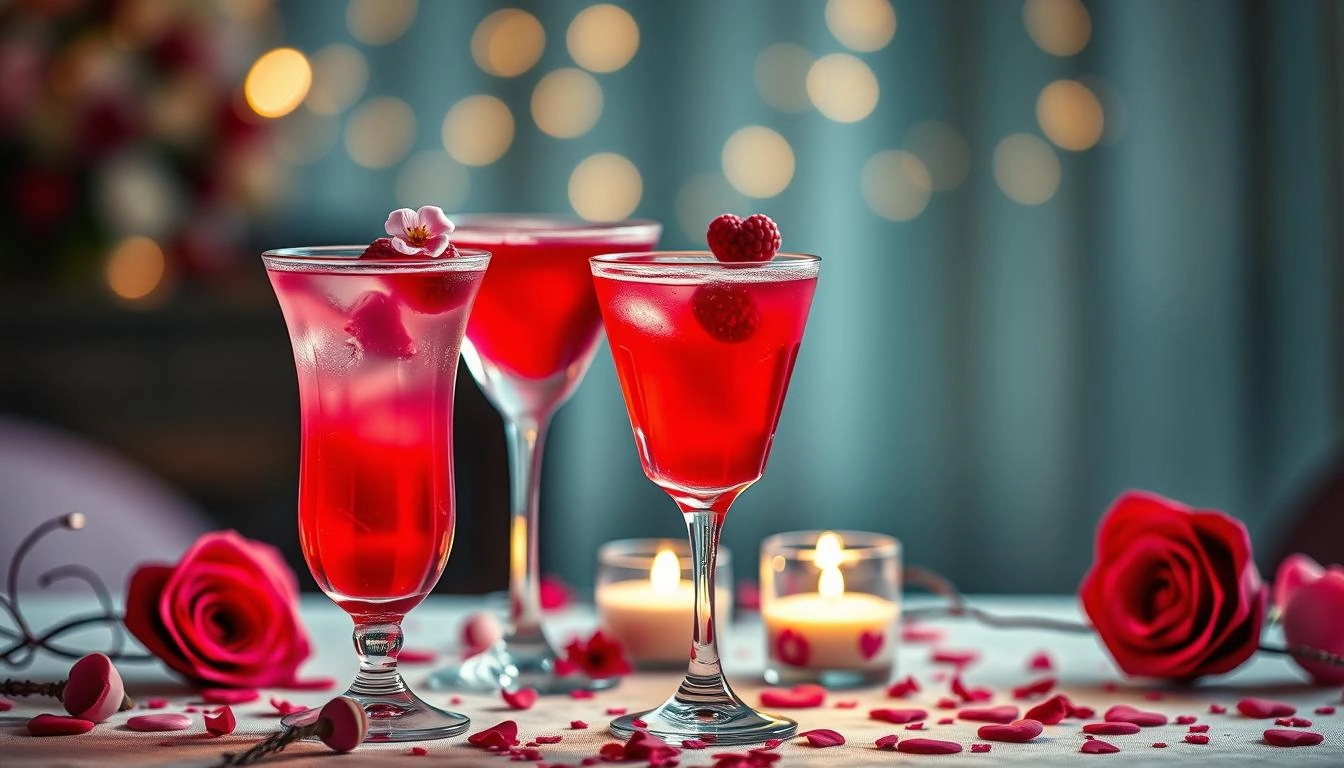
980, 381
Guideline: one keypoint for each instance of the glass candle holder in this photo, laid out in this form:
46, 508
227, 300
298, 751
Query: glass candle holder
830, 601
645, 595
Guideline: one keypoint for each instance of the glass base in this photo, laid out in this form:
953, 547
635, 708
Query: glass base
833, 679
510, 667
717, 724
398, 717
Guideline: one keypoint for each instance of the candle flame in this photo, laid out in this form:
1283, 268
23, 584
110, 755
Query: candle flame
665, 575
830, 553
832, 583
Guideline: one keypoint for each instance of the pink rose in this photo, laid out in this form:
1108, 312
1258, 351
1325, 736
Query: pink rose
226, 615
1173, 592
1311, 603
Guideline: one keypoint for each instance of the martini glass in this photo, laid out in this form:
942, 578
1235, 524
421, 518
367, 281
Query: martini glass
376, 349
704, 351
530, 339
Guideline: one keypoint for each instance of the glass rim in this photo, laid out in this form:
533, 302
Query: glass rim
344, 258
858, 545
505, 228
638, 554
677, 266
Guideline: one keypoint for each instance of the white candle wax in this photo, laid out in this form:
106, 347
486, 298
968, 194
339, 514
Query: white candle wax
852, 630
654, 624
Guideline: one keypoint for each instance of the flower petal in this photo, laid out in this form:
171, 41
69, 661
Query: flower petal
433, 217
399, 221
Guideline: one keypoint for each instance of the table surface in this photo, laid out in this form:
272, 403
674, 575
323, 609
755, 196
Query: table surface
1083, 671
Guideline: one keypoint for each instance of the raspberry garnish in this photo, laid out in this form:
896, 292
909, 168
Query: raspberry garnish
726, 312
755, 238
381, 249
376, 327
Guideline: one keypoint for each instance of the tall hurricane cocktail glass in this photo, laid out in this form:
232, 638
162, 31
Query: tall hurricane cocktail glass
530, 339
376, 348
704, 351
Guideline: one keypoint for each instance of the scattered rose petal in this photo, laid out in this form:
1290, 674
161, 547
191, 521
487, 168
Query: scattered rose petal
980, 747
902, 688
946, 721
1185, 719
170, 721
888, 741
285, 707
915, 633
928, 747
1284, 721
947, 703
417, 751
1198, 729
772, 743
1319, 710
156, 703
1159, 745
1005, 713
1298, 722
636, 722
1018, 731
615, 710
1035, 688
455, 700
1196, 738
1286, 738
823, 737
1111, 729
577, 725
1098, 747
960, 690
643, 745
1256, 707
1123, 713
500, 736
898, 716
547, 739
5, 704
1081, 712
58, 725
222, 722
1040, 662
580, 693
523, 698
799, 697
417, 656
1217, 709
1051, 711
599, 657
958, 658
919, 726
847, 704
612, 751
693, 744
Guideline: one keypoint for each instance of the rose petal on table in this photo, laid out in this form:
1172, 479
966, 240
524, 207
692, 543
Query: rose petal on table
1198, 728
980, 747
616, 710
581, 693
770, 744
1255, 707
6, 704
1111, 729
947, 721
1196, 738
958, 658
643, 745
577, 725
888, 741
1280, 737
1098, 747
1038, 687
693, 744
1185, 719
156, 704
916, 726
928, 747
1124, 713
902, 688
499, 735
960, 690
847, 704
417, 656
58, 725
823, 737
229, 695
947, 703
1217, 709
1319, 710
898, 716
1299, 722
286, 707
548, 739
417, 751
1080, 712
222, 722
1018, 731
1052, 711
523, 698
1004, 713
802, 696
168, 721
1159, 745
1040, 662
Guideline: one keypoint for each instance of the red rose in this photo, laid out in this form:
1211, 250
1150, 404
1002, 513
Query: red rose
1173, 592
1310, 599
226, 615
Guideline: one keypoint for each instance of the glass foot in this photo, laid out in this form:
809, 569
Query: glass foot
717, 723
511, 667
396, 717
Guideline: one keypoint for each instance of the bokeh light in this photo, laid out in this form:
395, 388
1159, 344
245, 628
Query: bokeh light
781, 76
508, 42
943, 150
605, 187
861, 25
134, 268
1059, 27
305, 137
380, 132
1026, 169
340, 75
278, 82
842, 87
896, 184
701, 199
139, 193
1070, 115
567, 103
758, 162
432, 178
379, 22
478, 130
603, 38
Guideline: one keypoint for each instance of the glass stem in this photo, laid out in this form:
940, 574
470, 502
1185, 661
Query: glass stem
378, 645
704, 683
525, 437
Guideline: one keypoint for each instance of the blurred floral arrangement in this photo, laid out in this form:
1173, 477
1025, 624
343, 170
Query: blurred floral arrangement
122, 126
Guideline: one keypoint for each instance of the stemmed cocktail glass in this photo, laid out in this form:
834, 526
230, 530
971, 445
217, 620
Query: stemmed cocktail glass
531, 337
376, 348
704, 351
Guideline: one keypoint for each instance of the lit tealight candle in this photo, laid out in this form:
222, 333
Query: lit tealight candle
652, 616
831, 628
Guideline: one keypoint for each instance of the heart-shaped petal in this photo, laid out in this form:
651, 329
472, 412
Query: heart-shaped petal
221, 723
1051, 711
888, 741
898, 716
523, 698
1256, 707
1111, 729
928, 747
823, 737
1123, 713
798, 697
58, 725
1286, 738
902, 688
1018, 731
1098, 747
500, 735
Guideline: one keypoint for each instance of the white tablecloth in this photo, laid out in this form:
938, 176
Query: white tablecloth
1083, 670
